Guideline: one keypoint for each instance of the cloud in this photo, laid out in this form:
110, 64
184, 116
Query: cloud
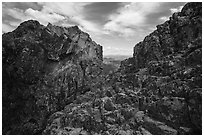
44, 16
75, 14
98, 12
7, 28
65, 14
109, 50
69, 8
22, 5
164, 18
116, 25
11, 18
87, 25
173, 10
130, 17
15, 13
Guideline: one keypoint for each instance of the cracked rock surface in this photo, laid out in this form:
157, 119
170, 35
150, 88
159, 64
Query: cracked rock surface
53, 81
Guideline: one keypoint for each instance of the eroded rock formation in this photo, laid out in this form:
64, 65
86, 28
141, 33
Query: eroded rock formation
52, 82
44, 68
158, 91
167, 66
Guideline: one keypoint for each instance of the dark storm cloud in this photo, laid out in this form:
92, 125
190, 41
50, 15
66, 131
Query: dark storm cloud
99, 11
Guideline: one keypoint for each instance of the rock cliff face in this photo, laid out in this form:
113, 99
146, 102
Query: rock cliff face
53, 83
44, 68
167, 66
182, 33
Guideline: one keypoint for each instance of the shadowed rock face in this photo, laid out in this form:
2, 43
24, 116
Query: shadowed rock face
52, 82
182, 33
158, 91
172, 58
44, 68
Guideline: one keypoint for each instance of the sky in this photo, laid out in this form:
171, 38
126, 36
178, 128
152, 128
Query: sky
117, 26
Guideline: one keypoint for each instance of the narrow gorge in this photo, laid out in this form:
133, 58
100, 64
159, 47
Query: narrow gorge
55, 81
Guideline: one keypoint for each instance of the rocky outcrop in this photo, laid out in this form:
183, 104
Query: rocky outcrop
158, 91
181, 33
52, 82
167, 69
44, 68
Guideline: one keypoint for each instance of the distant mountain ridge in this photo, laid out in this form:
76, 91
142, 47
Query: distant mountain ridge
117, 57
112, 63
